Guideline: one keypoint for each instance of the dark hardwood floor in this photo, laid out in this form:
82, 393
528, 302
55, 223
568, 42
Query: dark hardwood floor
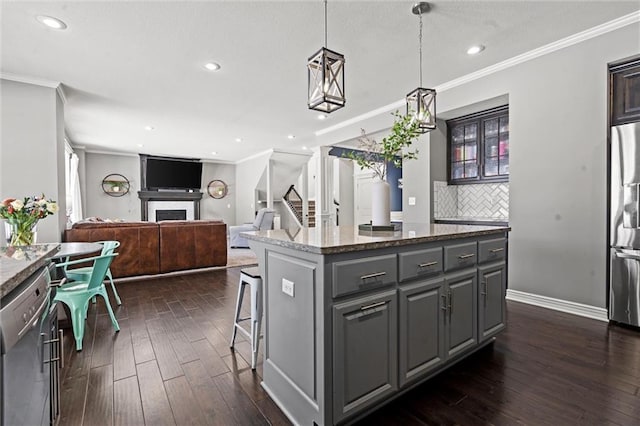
171, 364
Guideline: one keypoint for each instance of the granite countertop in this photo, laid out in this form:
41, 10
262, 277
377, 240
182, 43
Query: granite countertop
341, 239
18, 263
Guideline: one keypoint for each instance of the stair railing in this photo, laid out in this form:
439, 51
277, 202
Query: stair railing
292, 199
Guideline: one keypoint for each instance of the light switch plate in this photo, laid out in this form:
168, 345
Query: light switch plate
412, 201
287, 287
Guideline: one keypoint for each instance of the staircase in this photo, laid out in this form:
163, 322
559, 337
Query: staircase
294, 202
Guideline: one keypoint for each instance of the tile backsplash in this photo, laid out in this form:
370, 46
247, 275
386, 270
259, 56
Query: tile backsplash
487, 200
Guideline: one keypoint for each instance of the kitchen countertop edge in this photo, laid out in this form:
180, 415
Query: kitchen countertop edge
8, 284
394, 241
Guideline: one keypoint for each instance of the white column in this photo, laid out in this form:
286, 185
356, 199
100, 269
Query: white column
304, 193
270, 184
325, 213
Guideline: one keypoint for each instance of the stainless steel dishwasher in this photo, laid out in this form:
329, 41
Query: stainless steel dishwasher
31, 354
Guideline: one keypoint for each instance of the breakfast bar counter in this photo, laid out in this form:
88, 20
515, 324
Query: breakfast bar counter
354, 319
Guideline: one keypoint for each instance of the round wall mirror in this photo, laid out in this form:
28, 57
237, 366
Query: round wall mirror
217, 189
115, 185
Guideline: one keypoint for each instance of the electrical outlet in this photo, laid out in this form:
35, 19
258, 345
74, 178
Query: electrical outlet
287, 287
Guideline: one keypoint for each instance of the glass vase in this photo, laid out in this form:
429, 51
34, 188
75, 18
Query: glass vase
21, 233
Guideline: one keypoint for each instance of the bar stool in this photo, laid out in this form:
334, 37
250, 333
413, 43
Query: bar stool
251, 277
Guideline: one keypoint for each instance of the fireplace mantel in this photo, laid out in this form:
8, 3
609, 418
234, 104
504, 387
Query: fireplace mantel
146, 196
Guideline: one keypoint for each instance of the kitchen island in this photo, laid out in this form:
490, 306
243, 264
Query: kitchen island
354, 318
19, 262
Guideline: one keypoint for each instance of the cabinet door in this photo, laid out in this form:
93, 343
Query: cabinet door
493, 279
422, 311
364, 352
461, 321
626, 94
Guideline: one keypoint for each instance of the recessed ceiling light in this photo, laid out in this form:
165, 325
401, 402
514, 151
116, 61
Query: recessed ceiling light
51, 22
474, 50
238, 139
322, 116
212, 66
149, 128
214, 153
304, 148
140, 145
290, 137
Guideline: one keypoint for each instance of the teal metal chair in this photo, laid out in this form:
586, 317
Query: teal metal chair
76, 294
82, 274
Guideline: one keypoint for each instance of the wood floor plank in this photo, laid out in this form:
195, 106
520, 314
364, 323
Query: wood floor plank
124, 363
211, 402
73, 396
184, 405
103, 348
127, 406
244, 410
155, 404
99, 407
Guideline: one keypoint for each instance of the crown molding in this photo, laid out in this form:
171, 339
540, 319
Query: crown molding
251, 157
571, 40
122, 154
30, 80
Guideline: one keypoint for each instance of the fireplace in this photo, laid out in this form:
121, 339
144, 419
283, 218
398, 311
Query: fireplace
171, 215
172, 205
170, 210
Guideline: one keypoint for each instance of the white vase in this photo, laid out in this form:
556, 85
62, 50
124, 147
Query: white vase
380, 203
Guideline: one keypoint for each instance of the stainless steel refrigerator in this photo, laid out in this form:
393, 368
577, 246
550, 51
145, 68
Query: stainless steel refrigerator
624, 296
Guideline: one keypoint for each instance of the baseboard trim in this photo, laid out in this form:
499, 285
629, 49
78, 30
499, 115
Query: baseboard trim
574, 308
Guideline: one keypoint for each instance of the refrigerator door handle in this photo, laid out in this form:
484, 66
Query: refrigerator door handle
630, 216
627, 256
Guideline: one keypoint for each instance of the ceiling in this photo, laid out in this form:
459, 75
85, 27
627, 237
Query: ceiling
126, 65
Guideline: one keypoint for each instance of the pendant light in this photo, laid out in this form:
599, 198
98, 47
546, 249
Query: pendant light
325, 73
421, 103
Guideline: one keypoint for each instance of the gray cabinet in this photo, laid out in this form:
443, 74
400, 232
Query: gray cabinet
422, 308
492, 305
462, 314
365, 339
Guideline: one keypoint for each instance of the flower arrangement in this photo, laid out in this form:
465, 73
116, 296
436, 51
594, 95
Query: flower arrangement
375, 155
23, 214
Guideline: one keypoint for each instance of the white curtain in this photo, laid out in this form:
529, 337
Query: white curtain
76, 196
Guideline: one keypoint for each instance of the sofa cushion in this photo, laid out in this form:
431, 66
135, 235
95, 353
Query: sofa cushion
192, 244
139, 241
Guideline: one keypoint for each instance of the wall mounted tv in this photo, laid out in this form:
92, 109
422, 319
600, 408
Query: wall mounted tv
160, 173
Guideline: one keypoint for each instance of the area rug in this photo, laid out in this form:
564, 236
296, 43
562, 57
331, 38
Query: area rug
240, 257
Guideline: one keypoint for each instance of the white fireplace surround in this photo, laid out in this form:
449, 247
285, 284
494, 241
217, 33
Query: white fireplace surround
155, 206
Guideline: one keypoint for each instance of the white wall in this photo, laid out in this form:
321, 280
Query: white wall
99, 204
32, 149
223, 208
248, 174
558, 134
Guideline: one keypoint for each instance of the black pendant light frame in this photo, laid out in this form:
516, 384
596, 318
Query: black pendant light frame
325, 77
421, 102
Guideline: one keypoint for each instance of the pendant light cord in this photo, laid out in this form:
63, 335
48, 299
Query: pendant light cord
420, 47
325, 23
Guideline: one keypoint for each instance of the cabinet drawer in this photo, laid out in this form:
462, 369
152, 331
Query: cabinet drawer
420, 263
491, 250
351, 276
460, 256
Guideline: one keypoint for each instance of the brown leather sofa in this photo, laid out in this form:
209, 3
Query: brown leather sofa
156, 247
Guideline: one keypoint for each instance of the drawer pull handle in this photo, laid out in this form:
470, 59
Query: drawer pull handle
426, 265
496, 250
444, 302
373, 305
466, 256
376, 275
